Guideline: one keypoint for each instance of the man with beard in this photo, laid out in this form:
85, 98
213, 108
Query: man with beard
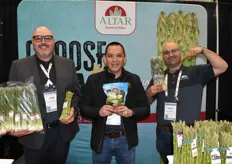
181, 98
53, 76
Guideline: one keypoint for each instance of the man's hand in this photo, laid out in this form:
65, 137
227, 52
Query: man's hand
20, 133
193, 52
106, 110
70, 117
154, 89
123, 111
219, 65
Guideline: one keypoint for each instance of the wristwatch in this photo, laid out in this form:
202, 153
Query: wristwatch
202, 51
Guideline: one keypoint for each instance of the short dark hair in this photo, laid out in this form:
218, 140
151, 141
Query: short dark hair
115, 44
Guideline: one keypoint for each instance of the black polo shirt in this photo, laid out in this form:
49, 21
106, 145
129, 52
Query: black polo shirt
53, 116
192, 82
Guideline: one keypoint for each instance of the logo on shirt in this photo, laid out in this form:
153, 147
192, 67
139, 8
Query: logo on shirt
184, 77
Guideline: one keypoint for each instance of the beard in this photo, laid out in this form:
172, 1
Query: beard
172, 64
39, 50
44, 54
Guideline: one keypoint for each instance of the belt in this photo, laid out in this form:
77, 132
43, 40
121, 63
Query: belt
169, 127
166, 127
52, 124
114, 135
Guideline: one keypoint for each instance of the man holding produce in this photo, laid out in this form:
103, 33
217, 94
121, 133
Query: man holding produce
181, 97
53, 77
114, 99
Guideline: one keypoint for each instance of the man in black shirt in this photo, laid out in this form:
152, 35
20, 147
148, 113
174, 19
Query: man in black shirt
114, 128
53, 76
182, 97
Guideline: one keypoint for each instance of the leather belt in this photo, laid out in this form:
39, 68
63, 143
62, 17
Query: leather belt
52, 124
166, 127
169, 127
114, 135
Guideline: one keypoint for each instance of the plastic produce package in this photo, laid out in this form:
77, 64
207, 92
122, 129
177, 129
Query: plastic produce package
157, 70
116, 93
66, 106
19, 108
3, 113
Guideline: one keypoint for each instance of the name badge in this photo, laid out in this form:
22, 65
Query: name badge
170, 111
114, 119
50, 100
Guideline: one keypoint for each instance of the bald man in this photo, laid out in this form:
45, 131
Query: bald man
183, 95
53, 76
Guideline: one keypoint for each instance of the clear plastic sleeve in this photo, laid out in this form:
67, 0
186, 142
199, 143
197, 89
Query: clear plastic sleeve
19, 107
157, 70
66, 106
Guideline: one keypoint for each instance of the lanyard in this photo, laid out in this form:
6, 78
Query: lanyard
177, 85
47, 73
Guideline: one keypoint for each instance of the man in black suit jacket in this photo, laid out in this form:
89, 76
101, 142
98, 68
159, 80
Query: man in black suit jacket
52, 76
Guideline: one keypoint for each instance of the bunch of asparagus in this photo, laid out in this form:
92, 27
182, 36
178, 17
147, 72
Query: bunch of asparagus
189, 146
157, 70
211, 153
208, 142
67, 105
19, 109
177, 139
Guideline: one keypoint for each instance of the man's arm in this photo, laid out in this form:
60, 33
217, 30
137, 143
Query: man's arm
86, 108
152, 90
142, 109
219, 65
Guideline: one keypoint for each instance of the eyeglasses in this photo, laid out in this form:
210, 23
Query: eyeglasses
47, 38
173, 51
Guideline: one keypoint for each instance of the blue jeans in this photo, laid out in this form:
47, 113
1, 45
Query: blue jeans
164, 143
115, 147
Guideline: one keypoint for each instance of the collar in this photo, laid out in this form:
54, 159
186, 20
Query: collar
39, 61
111, 75
181, 68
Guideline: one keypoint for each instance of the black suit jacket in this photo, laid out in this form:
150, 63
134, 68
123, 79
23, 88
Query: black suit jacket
66, 80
